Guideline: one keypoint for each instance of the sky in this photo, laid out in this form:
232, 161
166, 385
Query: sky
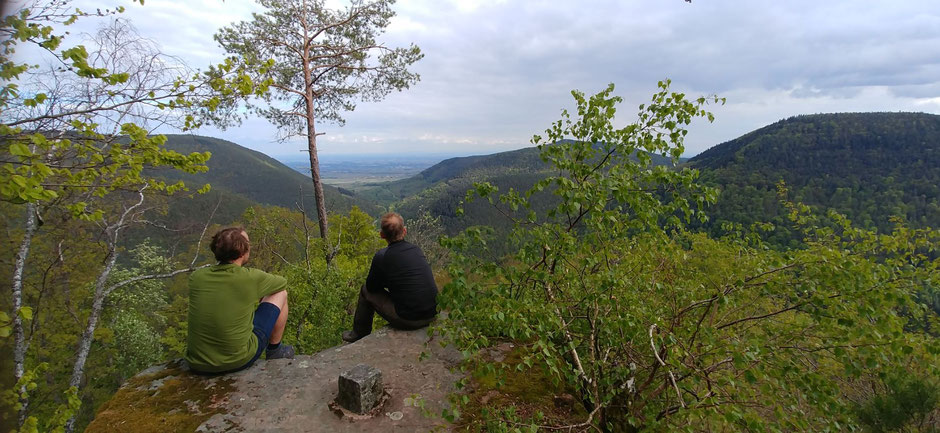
496, 72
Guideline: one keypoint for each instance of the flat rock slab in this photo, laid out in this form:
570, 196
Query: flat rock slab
294, 395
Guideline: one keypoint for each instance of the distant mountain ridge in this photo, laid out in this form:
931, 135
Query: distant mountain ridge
869, 166
254, 175
455, 168
440, 189
522, 162
239, 178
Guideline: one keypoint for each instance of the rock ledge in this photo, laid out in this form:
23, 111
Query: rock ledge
291, 395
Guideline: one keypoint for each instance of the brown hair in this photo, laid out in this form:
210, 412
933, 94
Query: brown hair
229, 244
393, 227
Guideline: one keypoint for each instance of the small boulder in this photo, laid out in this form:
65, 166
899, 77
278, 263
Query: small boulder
360, 389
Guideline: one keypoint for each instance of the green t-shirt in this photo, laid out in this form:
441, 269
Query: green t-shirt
222, 302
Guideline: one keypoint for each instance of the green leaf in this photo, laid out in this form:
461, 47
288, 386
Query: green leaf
26, 313
20, 149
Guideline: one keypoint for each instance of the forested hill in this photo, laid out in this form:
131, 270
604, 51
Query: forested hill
503, 163
870, 166
240, 178
495, 167
439, 189
254, 175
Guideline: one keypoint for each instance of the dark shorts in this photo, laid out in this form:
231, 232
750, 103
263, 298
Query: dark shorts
265, 317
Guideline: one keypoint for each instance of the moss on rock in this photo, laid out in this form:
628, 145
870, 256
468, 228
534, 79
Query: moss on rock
150, 402
515, 394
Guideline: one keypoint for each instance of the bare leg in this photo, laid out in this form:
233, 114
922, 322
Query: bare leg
280, 300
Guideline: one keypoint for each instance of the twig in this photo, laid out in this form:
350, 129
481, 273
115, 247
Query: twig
151, 277
672, 377
203, 234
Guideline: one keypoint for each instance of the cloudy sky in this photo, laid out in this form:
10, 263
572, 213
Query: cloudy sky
497, 72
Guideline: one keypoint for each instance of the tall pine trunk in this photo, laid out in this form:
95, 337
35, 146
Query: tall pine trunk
315, 162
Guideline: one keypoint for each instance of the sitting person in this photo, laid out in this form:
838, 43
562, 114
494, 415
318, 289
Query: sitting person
411, 299
227, 332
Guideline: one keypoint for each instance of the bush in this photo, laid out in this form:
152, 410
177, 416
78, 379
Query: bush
659, 329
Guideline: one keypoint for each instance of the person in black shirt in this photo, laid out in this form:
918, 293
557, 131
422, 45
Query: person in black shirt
410, 301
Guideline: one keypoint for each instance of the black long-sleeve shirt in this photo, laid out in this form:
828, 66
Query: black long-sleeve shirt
402, 268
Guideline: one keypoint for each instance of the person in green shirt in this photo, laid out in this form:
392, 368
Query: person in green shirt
235, 312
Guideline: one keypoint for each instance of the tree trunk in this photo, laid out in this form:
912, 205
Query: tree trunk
88, 336
19, 333
318, 192
112, 234
315, 164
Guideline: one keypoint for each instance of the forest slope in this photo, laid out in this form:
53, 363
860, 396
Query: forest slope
240, 178
440, 189
502, 163
869, 166
254, 175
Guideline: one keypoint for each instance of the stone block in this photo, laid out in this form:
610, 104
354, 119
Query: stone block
360, 389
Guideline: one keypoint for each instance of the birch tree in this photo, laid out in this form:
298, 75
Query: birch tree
75, 135
324, 61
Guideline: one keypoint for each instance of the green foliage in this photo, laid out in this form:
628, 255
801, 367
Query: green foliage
320, 296
426, 231
74, 134
90, 164
868, 166
304, 50
137, 319
660, 329
6, 325
320, 300
29, 383
904, 403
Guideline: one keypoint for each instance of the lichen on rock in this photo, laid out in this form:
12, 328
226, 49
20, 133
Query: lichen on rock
165, 398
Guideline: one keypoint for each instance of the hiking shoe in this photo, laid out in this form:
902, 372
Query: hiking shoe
351, 336
284, 351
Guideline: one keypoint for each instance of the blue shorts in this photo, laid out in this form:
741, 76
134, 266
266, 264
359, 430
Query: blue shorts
265, 318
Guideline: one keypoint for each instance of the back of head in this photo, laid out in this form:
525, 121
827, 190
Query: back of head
393, 227
229, 244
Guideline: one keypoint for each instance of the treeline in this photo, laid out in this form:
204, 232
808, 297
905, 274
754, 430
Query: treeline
871, 167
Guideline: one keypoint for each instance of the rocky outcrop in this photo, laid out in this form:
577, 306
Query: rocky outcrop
292, 395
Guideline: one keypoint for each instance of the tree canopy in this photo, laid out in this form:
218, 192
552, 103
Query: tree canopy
656, 328
319, 62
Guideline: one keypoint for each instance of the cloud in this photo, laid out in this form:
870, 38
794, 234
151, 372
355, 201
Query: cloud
496, 72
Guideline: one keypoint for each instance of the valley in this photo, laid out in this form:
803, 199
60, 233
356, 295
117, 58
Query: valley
355, 172
877, 169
